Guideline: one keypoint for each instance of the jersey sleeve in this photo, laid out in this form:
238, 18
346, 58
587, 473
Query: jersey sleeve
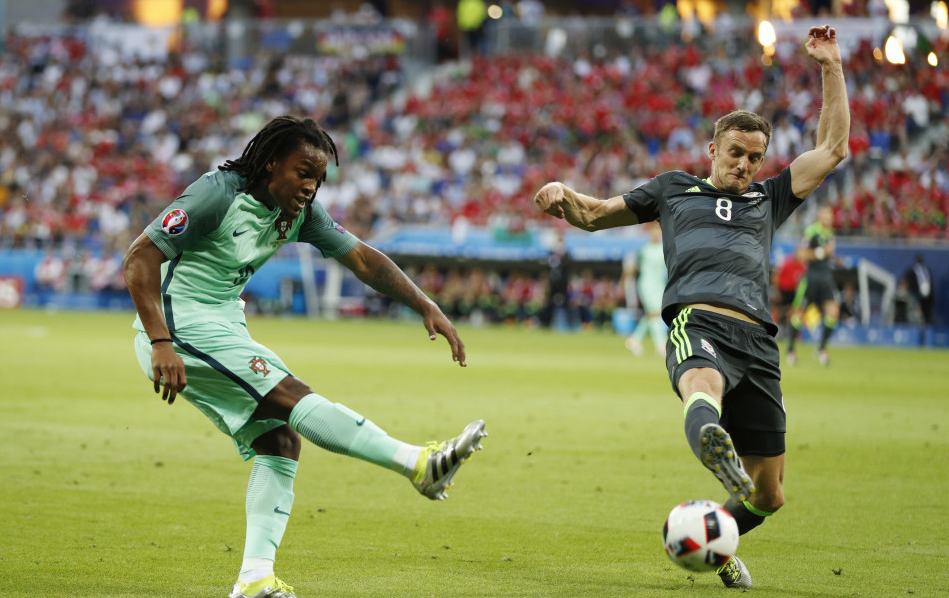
320, 231
195, 213
783, 200
644, 201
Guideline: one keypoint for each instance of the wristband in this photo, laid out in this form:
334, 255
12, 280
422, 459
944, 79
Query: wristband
161, 340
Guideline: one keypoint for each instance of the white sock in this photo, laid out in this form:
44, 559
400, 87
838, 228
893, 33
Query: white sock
407, 457
255, 569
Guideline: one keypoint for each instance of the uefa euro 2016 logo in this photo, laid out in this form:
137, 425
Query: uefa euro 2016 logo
175, 222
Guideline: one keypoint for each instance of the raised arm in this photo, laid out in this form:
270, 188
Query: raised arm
583, 211
833, 130
378, 271
142, 267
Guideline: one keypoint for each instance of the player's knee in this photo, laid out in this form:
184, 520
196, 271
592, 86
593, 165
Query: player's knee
289, 443
281, 442
705, 380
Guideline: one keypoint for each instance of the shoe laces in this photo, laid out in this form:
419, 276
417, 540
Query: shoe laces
278, 584
730, 570
431, 448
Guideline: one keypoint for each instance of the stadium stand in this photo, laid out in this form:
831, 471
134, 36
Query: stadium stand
93, 141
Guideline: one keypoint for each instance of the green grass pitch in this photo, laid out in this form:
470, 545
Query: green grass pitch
108, 492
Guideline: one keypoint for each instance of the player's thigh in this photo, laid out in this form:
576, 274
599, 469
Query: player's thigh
753, 410
691, 360
821, 291
831, 309
228, 372
800, 295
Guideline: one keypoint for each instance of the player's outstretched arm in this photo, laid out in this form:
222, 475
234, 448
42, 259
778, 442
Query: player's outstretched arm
378, 271
583, 211
142, 268
833, 130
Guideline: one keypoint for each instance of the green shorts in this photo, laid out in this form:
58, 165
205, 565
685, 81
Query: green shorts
228, 374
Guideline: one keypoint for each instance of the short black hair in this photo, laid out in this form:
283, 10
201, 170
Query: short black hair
274, 142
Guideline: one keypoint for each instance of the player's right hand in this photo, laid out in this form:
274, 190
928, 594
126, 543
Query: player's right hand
550, 199
168, 367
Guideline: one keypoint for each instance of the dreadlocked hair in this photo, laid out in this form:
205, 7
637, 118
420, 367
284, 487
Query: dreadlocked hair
274, 142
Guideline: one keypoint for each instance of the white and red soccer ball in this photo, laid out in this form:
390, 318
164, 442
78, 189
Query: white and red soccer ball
699, 535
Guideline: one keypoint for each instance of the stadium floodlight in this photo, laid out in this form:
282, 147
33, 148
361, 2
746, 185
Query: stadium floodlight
766, 34
940, 14
894, 51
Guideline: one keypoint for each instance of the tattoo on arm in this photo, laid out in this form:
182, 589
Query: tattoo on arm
389, 280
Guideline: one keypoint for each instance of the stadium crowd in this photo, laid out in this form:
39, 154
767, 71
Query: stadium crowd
94, 144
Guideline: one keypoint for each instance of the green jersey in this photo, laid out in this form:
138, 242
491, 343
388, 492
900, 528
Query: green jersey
652, 265
216, 236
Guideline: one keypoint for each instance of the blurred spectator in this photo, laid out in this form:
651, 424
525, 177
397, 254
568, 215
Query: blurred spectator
905, 308
787, 276
105, 272
78, 269
786, 140
50, 272
919, 283
583, 296
557, 306
471, 21
520, 299
607, 297
530, 12
94, 143
849, 304
442, 21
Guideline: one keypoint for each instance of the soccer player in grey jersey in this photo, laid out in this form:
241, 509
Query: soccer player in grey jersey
722, 358
186, 273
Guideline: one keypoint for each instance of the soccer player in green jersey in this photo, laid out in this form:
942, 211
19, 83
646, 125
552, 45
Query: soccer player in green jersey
185, 274
817, 286
722, 358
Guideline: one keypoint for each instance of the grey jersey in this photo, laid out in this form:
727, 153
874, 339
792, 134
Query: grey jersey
717, 245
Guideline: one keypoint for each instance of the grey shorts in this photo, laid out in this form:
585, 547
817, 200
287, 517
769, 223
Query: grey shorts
748, 359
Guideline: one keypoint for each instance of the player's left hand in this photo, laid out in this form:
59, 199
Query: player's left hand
438, 323
822, 45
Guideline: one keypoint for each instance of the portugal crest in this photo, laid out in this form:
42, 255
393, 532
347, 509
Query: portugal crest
259, 366
282, 226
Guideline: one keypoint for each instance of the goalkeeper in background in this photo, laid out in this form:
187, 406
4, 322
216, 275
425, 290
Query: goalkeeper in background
817, 287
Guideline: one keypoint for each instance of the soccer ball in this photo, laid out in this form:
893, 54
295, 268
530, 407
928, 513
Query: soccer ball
700, 535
